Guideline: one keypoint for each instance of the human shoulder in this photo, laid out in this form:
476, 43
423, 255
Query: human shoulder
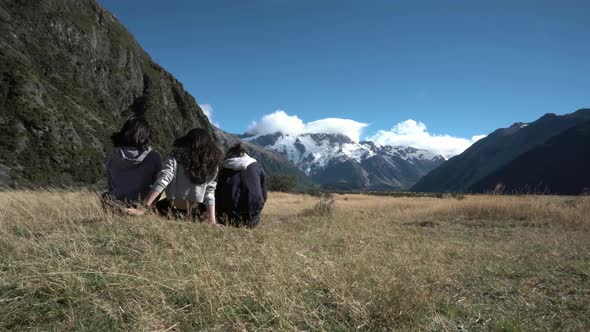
154, 155
254, 167
254, 164
169, 160
155, 152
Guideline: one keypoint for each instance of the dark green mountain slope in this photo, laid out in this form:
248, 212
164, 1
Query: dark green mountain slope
496, 150
559, 166
70, 74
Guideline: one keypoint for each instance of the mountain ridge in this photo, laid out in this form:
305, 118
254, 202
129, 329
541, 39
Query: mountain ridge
335, 161
558, 166
496, 150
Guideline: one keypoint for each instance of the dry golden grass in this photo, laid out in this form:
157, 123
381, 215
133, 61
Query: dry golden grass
377, 263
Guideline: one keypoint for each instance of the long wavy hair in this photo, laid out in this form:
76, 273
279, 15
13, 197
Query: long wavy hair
136, 133
199, 154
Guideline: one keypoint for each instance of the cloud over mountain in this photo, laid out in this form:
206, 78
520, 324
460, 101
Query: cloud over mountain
407, 133
208, 111
415, 134
280, 121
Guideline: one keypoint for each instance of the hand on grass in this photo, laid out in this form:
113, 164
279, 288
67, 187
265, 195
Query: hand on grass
134, 211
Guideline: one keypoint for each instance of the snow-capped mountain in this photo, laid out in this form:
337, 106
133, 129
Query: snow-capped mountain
335, 161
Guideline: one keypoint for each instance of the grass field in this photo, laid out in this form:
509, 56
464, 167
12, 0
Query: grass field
374, 263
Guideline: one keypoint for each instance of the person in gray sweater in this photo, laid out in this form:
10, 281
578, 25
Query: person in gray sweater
132, 165
188, 178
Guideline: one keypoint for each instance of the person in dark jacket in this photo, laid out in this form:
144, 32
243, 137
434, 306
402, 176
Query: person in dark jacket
241, 189
132, 166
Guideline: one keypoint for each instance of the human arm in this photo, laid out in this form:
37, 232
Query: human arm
149, 200
164, 178
210, 201
211, 215
157, 168
157, 160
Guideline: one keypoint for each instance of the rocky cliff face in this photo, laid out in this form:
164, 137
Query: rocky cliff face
71, 74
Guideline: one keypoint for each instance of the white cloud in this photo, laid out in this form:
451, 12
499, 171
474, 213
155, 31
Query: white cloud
280, 121
208, 111
347, 127
415, 134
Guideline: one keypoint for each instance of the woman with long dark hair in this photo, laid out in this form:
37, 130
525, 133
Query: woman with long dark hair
188, 176
241, 189
132, 164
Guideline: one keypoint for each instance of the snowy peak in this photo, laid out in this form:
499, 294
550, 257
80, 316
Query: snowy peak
410, 153
312, 151
316, 154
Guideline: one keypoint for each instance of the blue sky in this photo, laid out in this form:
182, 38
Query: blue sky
462, 68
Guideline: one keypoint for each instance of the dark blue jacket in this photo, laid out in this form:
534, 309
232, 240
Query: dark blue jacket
130, 172
241, 187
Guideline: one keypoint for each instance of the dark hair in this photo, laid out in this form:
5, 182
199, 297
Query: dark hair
136, 132
199, 154
237, 150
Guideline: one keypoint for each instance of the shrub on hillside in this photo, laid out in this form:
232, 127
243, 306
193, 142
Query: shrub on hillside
283, 183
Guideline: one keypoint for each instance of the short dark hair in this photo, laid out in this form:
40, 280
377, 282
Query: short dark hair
235, 151
198, 153
136, 132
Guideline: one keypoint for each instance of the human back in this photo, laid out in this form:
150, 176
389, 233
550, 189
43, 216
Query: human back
241, 188
132, 165
188, 176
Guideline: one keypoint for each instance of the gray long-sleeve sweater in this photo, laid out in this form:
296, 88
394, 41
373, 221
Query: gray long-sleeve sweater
178, 185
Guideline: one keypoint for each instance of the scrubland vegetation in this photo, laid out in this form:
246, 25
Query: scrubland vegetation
359, 263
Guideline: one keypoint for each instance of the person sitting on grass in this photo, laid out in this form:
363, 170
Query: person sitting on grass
188, 176
132, 166
241, 189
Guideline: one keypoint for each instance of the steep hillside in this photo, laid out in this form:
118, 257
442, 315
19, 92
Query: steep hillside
496, 150
71, 73
334, 161
559, 166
